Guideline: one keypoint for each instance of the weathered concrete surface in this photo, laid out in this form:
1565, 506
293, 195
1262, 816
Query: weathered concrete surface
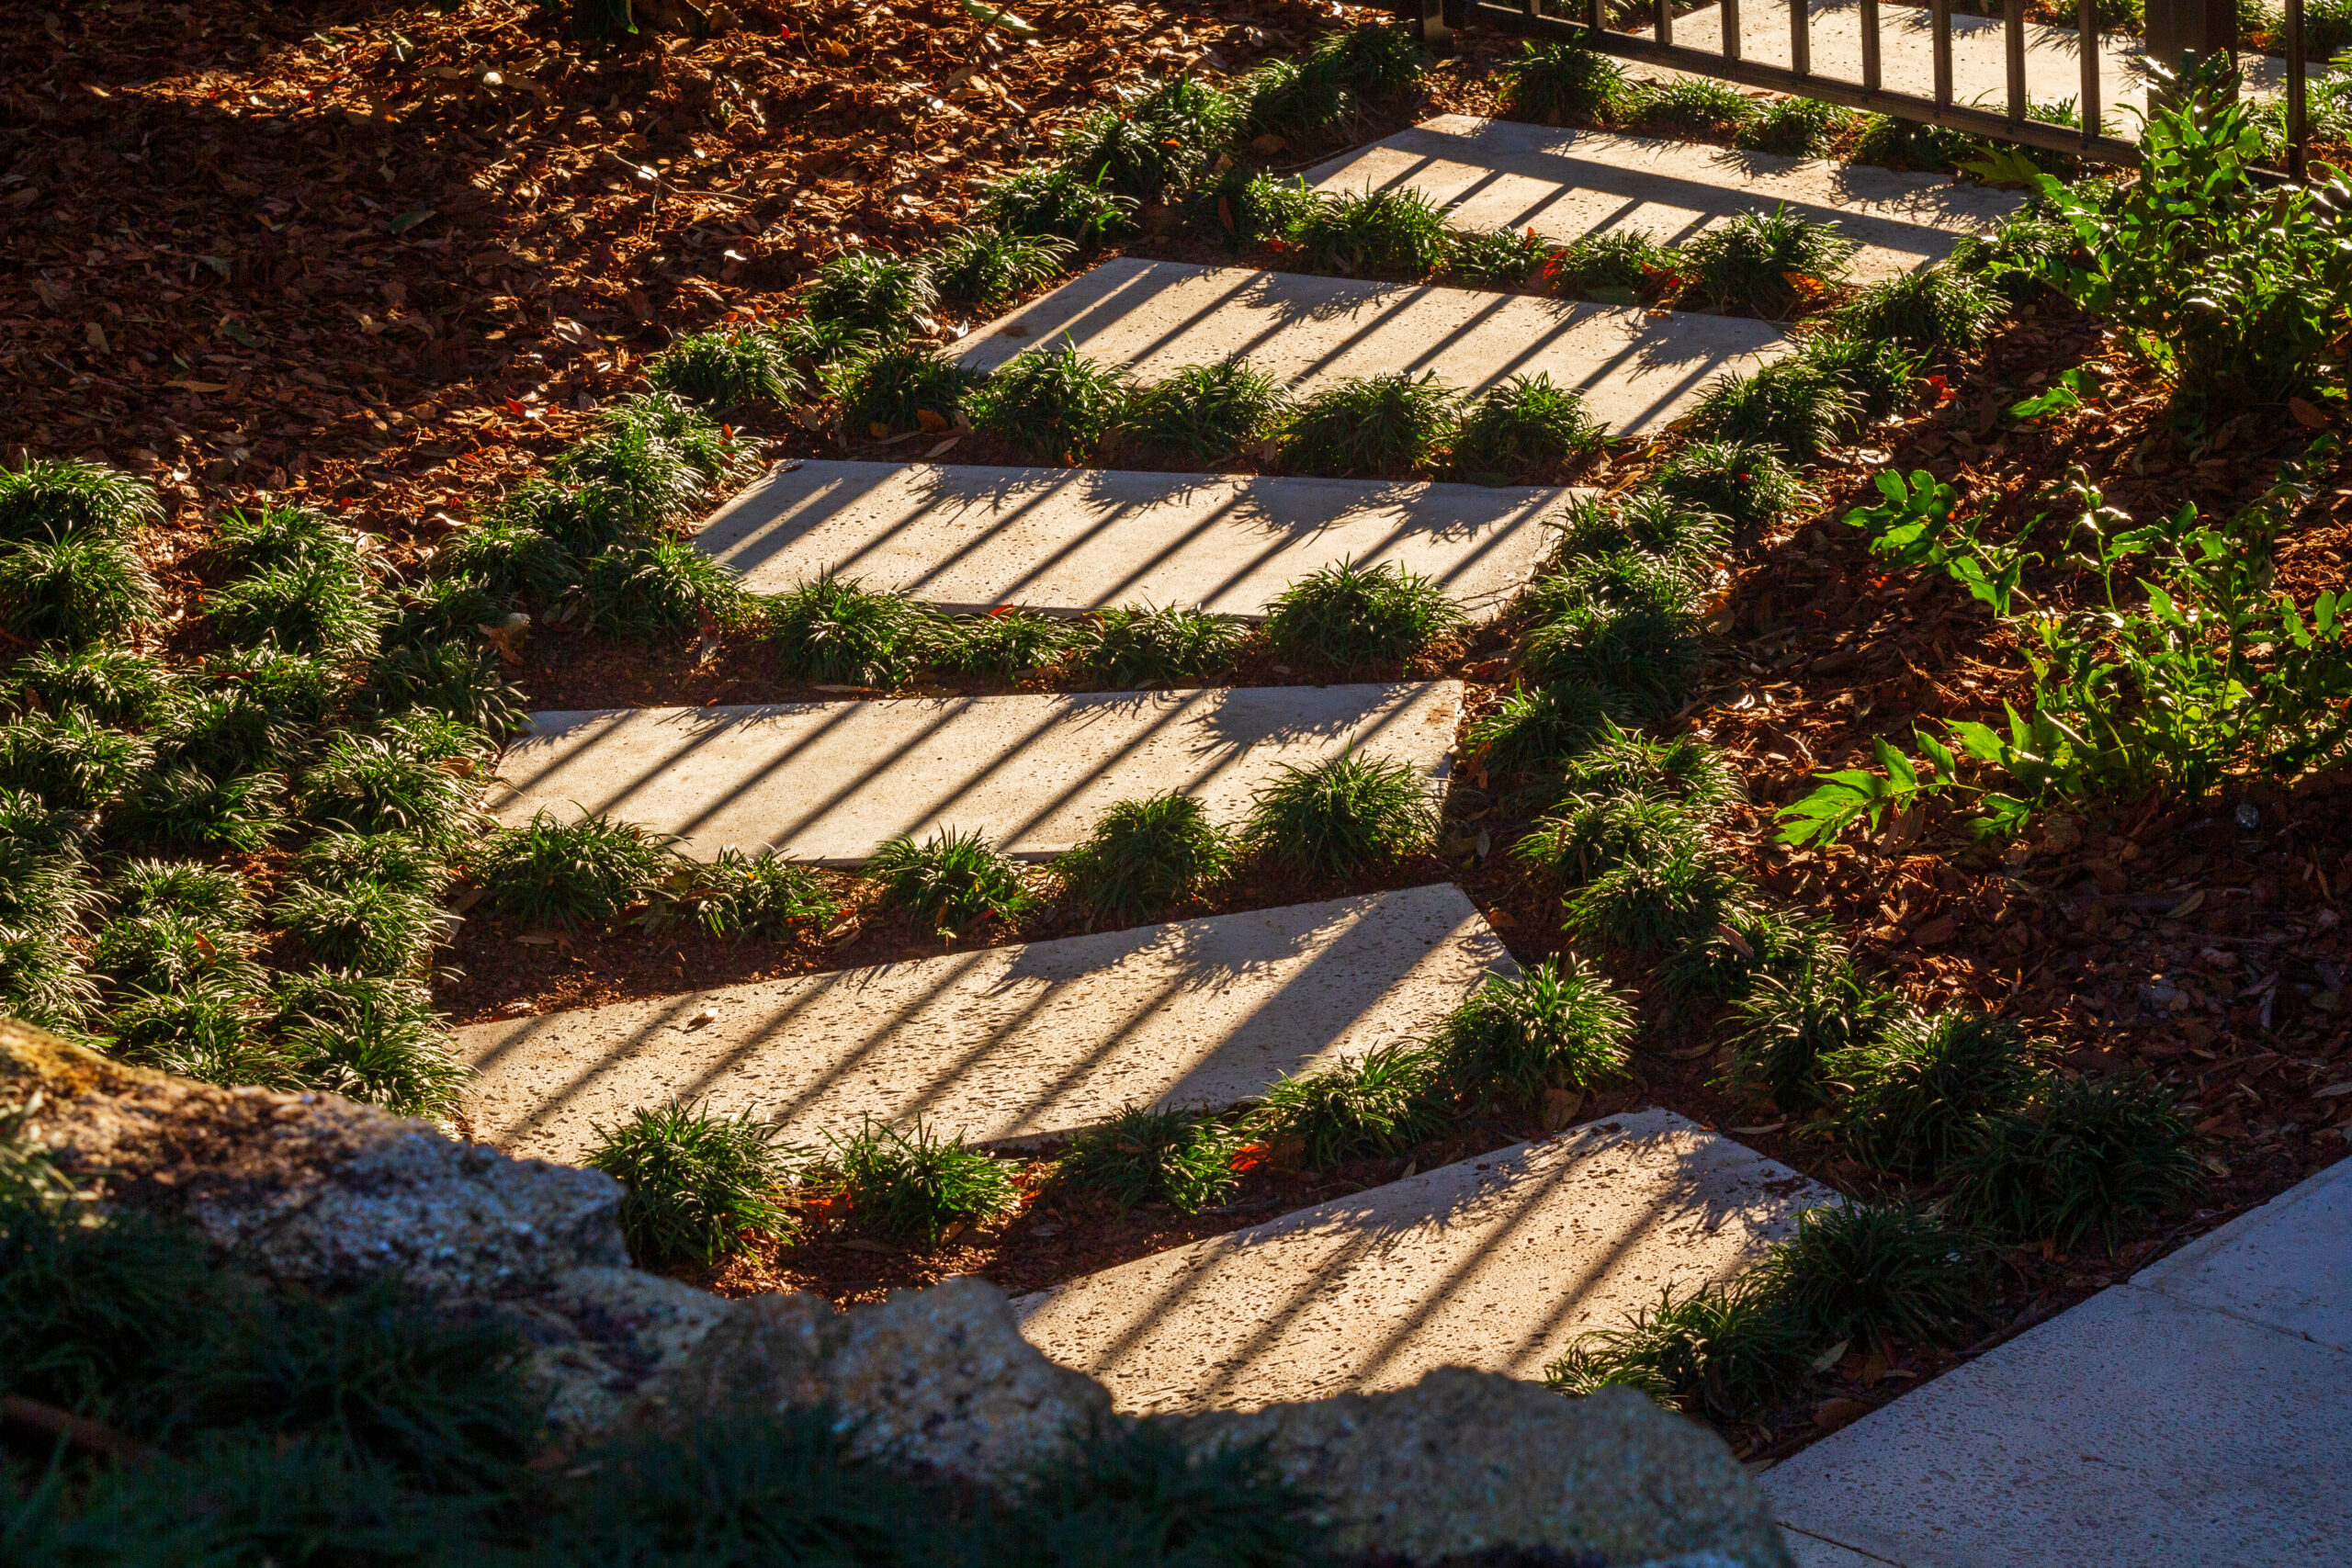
1001, 1042
2133, 1429
1493, 1263
1564, 184
1464, 1463
829, 783
1637, 371
311, 1189
1980, 74
1067, 540
2286, 1265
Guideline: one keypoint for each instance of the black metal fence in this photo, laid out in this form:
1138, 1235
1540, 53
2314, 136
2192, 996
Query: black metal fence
2175, 29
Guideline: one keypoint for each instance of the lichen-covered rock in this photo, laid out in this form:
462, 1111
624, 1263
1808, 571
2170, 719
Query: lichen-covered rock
312, 1187
940, 1377
1467, 1460
601, 1335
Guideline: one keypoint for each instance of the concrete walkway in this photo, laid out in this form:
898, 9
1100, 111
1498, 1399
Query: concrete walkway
2201, 1414
1564, 184
1493, 1263
1002, 1044
1069, 540
828, 782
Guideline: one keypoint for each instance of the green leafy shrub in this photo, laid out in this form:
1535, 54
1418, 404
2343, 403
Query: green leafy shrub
1745, 263
1557, 1026
1795, 128
398, 779
1138, 646
1341, 816
68, 762
1523, 431
463, 680
1375, 232
77, 591
912, 1186
1875, 1275
887, 295
949, 880
1380, 1103
1500, 258
1690, 105
985, 268
2078, 1165
1206, 412
1536, 729
114, 686
1557, 83
1005, 643
1653, 905
1054, 404
831, 630
1916, 1087
1616, 266
1390, 425
1144, 857
46, 499
1059, 203
727, 369
893, 391
368, 1037
1746, 483
1937, 306
1354, 617
1790, 404
661, 587
364, 925
1728, 1350
1787, 1023
1182, 1158
739, 895
1881, 375
1304, 103
551, 871
693, 1183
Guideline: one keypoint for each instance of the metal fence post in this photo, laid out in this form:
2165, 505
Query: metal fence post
2178, 28
1431, 21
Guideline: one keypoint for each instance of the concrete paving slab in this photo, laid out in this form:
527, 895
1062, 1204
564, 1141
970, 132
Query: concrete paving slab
1493, 1263
1005, 1042
1979, 73
1563, 184
1811, 1552
1068, 540
828, 782
1637, 370
2286, 1265
2133, 1429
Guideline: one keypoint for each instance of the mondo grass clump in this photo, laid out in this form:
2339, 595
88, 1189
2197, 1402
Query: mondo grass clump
900, 389
460, 681
1005, 643
912, 1186
1746, 483
1882, 375
366, 1037
1938, 306
1873, 1275
1182, 1158
78, 591
1690, 105
1752, 939
1145, 856
411, 775
1506, 259
1299, 103
659, 588
1523, 431
831, 630
727, 368
1392, 425
1054, 406
107, 686
694, 1185
1616, 266
365, 925
1138, 646
1560, 83
1912, 1092
737, 895
1205, 412
1365, 1107
1654, 906
949, 881
1795, 128
1725, 1349
1792, 405
1535, 730
2079, 1164
551, 871
889, 297
1770, 263
1587, 836
1397, 231
1059, 203
47, 499
1359, 617
67, 762
983, 266
1644, 651
1558, 1025
1786, 1023
1340, 818
1680, 535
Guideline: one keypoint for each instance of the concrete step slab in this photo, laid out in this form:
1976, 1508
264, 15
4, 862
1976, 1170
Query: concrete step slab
1493, 1263
2286, 1265
2131, 1430
1564, 184
1069, 540
1002, 1044
2054, 67
828, 782
1637, 370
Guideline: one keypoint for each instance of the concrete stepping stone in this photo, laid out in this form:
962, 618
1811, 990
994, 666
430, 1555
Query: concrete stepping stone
1068, 540
1493, 1263
1979, 73
2286, 1265
1564, 184
828, 782
1005, 1042
1637, 370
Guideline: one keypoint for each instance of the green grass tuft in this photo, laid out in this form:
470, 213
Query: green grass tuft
1182, 1158
949, 881
2089, 1159
1560, 83
895, 389
318, 604
1375, 59
1380, 1103
1616, 266
1392, 425
1883, 375
1206, 412
190, 808
1746, 483
1795, 406
587, 871
1054, 406
1730, 1350
1556, 1025
1875, 1275
1137, 645
739, 895
206, 1032
1653, 907
68, 762
658, 588
399, 780
1909, 144
1375, 232
1938, 306
79, 590
693, 1184
887, 295
1690, 106
1786, 1023
463, 680
831, 630
1795, 128
1644, 651
172, 950
44, 499
368, 1037
727, 369
1004, 644
983, 267
1746, 263
1769, 942
1506, 259
1059, 203
1915, 1088
396, 860
1355, 619
912, 1186
114, 686
360, 924
1340, 818
1305, 104
1535, 730
1144, 857
1523, 431
1590, 835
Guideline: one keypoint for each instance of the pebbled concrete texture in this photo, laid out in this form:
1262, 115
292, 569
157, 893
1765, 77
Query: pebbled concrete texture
2133, 1429
1493, 1264
1637, 371
1003, 1043
2286, 1265
2053, 68
1563, 184
1069, 540
828, 782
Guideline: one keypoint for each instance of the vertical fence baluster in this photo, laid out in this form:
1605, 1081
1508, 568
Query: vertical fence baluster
2086, 33
1665, 21
1731, 30
1800, 38
2298, 132
1594, 17
2013, 35
1869, 44
1939, 20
